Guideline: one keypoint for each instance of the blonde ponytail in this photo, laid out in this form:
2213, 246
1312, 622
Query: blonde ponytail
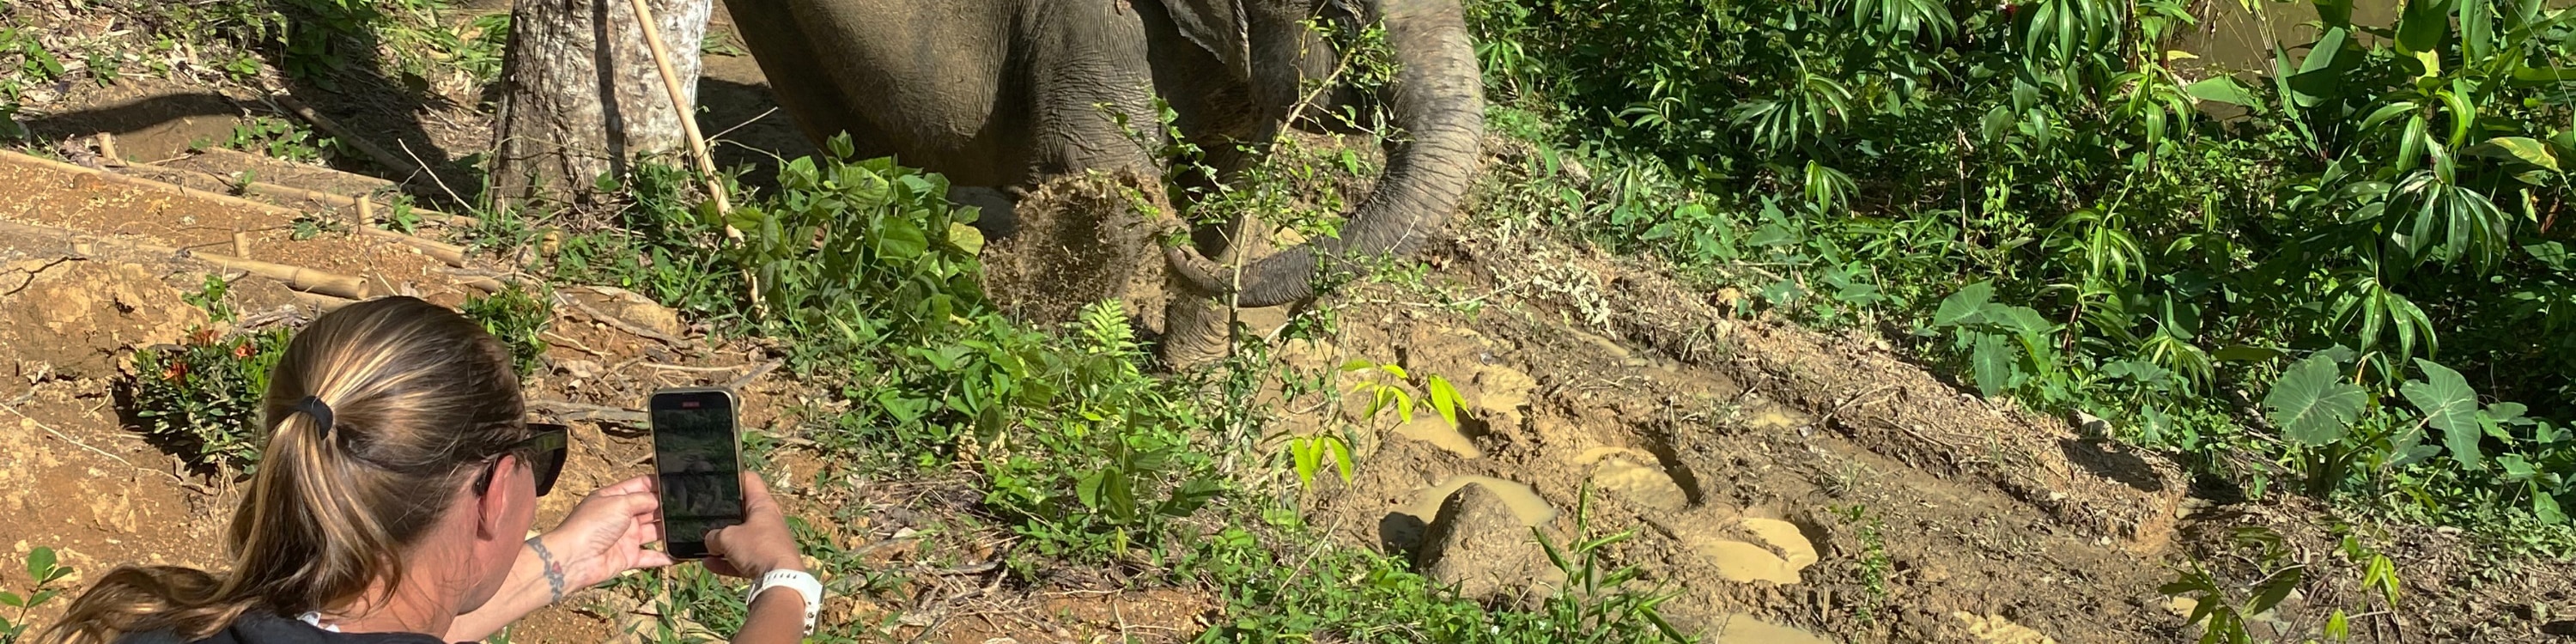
371, 404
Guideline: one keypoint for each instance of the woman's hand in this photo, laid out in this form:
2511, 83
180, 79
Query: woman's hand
605, 535
760, 544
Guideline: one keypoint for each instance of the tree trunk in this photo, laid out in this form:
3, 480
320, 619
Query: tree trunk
582, 97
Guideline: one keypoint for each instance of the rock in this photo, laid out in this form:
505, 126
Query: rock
1266, 320
578, 369
1479, 545
629, 307
2091, 426
2182, 607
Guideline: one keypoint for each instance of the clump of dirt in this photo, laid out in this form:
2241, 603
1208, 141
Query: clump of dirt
1077, 239
79, 318
1478, 539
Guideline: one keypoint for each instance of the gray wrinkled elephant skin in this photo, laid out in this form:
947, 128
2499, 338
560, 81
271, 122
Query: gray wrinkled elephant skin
1006, 93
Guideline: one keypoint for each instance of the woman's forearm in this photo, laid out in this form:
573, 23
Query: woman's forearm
777, 616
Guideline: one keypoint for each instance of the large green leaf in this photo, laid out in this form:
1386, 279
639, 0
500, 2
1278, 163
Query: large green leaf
2451, 406
2335, 13
1994, 361
2386, 112
1446, 399
1962, 307
2319, 74
901, 241
2421, 26
2477, 28
2221, 89
2521, 148
2312, 404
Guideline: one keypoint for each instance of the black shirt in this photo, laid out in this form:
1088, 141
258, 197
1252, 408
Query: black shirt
260, 628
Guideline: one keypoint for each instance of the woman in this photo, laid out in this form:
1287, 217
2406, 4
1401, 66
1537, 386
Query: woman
393, 503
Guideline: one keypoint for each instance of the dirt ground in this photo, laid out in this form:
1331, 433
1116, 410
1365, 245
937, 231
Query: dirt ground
1783, 485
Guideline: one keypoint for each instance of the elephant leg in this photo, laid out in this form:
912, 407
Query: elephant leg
999, 217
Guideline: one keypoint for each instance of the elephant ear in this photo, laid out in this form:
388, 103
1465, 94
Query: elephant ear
1217, 26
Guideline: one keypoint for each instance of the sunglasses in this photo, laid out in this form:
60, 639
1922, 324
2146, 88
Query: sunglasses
544, 451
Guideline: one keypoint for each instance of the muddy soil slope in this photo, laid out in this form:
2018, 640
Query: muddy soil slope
1824, 483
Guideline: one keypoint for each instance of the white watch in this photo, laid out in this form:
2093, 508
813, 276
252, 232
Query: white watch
796, 580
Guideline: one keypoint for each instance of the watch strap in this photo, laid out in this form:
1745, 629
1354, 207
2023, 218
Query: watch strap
797, 580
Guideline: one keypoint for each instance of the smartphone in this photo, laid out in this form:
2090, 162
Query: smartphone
697, 455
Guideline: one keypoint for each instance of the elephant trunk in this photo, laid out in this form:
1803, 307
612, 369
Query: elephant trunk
1437, 104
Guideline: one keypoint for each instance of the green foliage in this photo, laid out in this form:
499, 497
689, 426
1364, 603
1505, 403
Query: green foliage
281, 138
35, 66
311, 226
2312, 404
202, 396
2035, 192
1389, 389
1113, 462
519, 318
1874, 563
2220, 607
210, 297
868, 277
42, 572
1283, 582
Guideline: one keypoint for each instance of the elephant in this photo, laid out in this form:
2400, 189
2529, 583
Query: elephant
1008, 93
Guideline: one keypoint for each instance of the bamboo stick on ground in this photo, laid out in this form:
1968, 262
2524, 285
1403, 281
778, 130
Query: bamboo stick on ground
282, 191
380, 155
449, 254
295, 277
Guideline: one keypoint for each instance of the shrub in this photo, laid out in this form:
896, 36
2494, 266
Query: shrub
202, 396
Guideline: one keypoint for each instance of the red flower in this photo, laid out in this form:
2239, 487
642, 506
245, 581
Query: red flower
242, 350
175, 371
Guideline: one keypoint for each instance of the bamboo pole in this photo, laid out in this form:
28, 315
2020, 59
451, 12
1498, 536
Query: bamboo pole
295, 277
697, 143
291, 192
688, 115
450, 254
281, 191
376, 153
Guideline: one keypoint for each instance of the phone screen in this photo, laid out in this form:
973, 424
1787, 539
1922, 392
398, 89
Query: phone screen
694, 454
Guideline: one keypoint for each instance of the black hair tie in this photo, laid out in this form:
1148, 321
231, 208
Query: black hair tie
321, 412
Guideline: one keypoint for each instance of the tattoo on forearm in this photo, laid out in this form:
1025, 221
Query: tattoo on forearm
554, 571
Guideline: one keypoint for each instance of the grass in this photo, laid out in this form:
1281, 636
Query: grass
1874, 563
519, 317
